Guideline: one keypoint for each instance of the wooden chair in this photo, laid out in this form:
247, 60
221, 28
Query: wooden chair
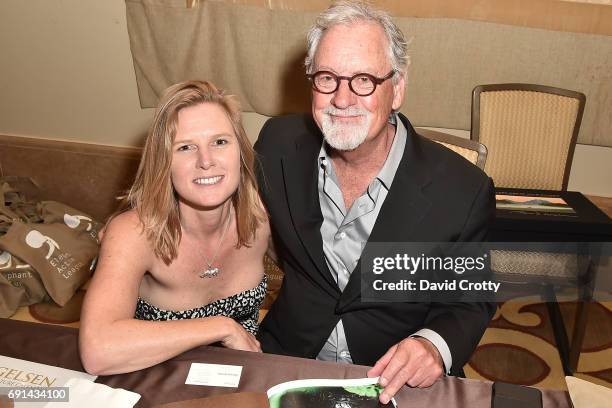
530, 132
473, 151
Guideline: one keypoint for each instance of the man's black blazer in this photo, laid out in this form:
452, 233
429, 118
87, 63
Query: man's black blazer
436, 196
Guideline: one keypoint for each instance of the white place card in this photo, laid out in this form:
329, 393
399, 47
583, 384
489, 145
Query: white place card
214, 375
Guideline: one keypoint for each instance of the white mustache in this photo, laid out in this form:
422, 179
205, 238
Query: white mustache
353, 111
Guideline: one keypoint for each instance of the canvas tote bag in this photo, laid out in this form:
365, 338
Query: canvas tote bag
46, 250
61, 249
20, 284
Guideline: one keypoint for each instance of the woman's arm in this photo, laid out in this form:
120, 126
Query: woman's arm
111, 341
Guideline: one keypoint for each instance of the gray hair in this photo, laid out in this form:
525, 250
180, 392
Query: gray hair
347, 12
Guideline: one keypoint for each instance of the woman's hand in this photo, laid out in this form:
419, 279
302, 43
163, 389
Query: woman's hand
238, 338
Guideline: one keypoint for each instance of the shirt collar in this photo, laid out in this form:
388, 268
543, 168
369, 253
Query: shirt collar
387, 173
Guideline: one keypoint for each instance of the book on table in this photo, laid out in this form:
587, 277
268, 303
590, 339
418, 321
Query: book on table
312, 393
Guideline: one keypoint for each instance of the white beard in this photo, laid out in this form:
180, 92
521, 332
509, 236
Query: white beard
342, 136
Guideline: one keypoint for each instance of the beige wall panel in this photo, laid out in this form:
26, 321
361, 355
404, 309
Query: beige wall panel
257, 53
254, 52
580, 16
450, 57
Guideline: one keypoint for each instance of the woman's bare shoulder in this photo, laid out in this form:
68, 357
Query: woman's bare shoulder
127, 219
125, 234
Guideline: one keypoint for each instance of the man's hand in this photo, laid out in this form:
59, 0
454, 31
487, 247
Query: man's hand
413, 361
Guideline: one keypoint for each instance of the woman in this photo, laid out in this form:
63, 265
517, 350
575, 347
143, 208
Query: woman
182, 264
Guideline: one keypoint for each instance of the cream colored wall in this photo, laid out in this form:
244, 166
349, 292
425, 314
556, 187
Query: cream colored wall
67, 74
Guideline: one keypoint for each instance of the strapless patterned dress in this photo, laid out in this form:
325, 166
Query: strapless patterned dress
243, 307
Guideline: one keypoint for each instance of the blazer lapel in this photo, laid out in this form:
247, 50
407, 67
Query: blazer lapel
301, 183
404, 201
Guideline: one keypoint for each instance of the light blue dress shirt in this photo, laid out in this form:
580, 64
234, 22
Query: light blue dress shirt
345, 234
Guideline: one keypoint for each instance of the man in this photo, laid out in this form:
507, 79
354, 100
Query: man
372, 180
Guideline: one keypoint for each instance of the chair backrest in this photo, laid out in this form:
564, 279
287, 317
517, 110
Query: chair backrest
473, 151
530, 132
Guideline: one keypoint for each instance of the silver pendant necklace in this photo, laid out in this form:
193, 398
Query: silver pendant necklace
211, 271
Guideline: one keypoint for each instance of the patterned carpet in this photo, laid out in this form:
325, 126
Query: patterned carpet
519, 347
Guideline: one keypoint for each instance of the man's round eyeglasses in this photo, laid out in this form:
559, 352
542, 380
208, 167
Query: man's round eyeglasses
363, 84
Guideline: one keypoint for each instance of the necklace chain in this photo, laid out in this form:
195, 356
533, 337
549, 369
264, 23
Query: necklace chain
211, 271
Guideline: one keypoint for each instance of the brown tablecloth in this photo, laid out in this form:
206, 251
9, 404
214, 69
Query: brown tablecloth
56, 345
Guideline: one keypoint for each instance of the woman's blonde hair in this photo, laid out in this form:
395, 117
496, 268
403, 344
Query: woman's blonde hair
153, 196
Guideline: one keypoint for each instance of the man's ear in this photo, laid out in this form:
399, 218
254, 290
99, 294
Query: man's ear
398, 91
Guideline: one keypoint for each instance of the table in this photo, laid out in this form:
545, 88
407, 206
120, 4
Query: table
603, 203
57, 345
588, 224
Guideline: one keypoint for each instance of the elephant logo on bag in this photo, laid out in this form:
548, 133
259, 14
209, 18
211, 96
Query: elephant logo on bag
36, 240
73, 221
6, 261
